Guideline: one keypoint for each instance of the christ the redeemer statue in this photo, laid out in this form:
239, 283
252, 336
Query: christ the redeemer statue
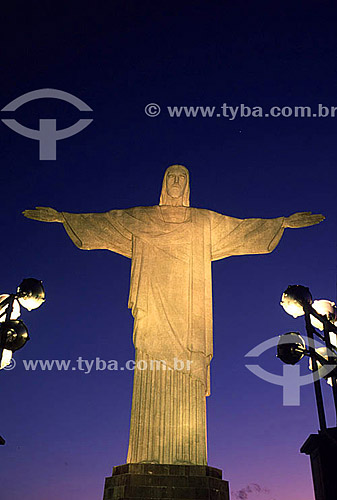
171, 246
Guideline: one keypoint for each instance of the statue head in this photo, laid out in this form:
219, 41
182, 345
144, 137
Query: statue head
176, 187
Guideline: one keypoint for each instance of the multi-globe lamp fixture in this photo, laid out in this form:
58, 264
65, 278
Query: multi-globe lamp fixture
322, 315
30, 294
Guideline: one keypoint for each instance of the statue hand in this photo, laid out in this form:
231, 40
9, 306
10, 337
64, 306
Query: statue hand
44, 214
303, 219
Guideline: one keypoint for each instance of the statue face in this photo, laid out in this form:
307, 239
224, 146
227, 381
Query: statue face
176, 182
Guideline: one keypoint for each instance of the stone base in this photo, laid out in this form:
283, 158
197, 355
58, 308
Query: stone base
322, 449
169, 482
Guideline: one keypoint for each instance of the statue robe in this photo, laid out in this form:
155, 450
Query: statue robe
171, 302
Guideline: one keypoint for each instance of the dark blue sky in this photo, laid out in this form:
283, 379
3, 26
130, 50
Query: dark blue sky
65, 430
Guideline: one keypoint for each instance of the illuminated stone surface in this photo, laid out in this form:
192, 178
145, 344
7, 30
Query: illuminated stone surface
148, 481
172, 246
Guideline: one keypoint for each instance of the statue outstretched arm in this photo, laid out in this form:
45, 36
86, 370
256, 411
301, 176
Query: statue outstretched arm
92, 231
231, 236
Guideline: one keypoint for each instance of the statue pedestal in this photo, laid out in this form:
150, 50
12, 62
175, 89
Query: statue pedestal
170, 482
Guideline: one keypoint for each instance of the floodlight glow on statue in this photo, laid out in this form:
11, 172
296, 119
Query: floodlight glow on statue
172, 246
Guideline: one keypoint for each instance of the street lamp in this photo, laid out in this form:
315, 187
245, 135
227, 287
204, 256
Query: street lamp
291, 348
293, 299
321, 314
30, 294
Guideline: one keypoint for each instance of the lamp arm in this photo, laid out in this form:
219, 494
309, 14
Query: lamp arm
323, 360
317, 384
323, 319
9, 309
9, 301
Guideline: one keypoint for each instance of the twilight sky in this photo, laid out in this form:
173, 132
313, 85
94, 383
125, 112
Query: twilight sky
66, 429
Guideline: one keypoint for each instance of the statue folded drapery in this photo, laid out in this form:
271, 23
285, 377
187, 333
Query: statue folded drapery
171, 290
171, 246
171, 302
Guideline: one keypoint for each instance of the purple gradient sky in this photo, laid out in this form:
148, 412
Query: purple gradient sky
65, 430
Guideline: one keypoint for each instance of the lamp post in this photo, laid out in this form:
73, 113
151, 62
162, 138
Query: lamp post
322, 314
30, 294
